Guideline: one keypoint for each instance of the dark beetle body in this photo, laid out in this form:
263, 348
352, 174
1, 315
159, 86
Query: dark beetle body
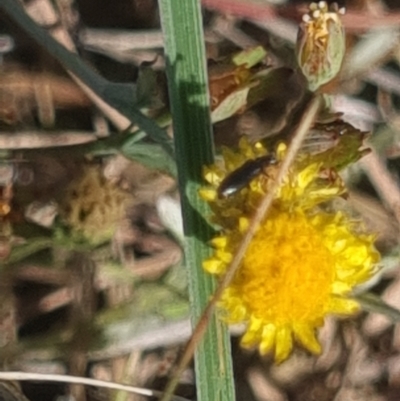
240, 177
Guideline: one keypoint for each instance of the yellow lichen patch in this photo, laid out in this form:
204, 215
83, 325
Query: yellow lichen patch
92, 206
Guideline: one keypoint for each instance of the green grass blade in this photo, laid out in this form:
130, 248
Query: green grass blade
187, 79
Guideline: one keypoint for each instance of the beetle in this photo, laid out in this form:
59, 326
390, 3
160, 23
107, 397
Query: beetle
239, 178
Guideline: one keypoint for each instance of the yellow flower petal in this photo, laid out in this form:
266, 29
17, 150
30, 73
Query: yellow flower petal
225, 257
268, 339
211, 176
219, 242
213, 266
284, 343
208, 194
306, 335
344, 306
243, 224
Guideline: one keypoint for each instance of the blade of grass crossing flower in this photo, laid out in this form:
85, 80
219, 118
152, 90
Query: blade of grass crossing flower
187, 79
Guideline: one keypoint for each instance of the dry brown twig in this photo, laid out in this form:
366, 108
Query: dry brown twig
42, 12
23, 376
383, 182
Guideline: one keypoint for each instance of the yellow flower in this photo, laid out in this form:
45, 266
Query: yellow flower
302, 263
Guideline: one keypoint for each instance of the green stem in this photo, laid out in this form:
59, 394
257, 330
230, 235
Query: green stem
189, 98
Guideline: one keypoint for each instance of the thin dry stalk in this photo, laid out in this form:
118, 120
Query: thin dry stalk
23, 376
383, 182
42, 9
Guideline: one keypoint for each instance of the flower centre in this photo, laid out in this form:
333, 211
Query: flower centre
287, 272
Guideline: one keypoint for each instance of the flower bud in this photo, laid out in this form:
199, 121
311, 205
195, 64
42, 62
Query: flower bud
320, 46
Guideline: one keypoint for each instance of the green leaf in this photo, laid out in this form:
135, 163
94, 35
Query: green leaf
233, 103
21, 252
151, 155
149, 93
373, 303
250, 57
346, 150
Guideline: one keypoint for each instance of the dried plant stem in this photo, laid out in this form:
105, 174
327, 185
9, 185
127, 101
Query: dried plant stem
301, 132
383, 182
24, 376
45, 10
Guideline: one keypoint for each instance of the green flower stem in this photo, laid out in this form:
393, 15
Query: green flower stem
189, 98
